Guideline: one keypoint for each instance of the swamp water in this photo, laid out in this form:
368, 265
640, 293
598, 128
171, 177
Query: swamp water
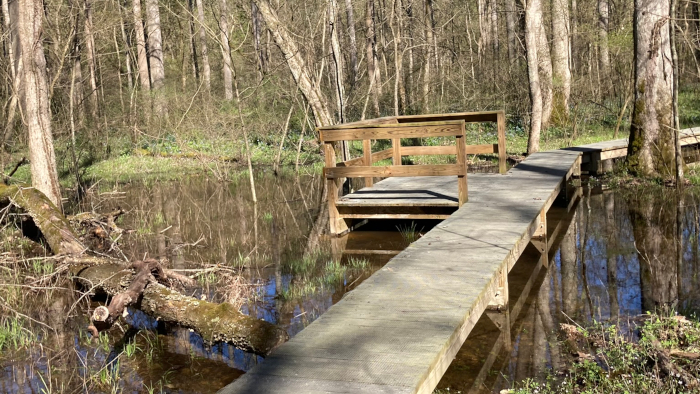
611, 256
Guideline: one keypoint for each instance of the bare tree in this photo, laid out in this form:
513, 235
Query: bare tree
560, 60
533, 27
337, 58
141, 54
652, 147
36, 100
91, 61
226, 50
206, 69
155, 54
511, 30
314, 96
372, 59
353, 40
603, 51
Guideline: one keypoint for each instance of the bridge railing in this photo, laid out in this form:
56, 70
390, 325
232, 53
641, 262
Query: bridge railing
394, 129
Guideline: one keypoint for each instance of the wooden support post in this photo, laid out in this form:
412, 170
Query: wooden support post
501, 125
500, 299
396, 147
462, 163
539, 238
337, 224
367, 151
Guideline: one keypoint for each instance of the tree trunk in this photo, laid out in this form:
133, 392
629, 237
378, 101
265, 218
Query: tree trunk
15, 66
545, 70
206, 69
37, 112
493, 7
225, 51
372, 59
560, 60
353, 40
193, 41
155, 55
651, 147
603, 52
429, 55
533, 27
91, 61
257, 31
338, 62
574, 35
141, 55
314, 96
511, 30
485, 39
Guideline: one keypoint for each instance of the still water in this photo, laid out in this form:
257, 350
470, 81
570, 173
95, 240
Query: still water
611, 256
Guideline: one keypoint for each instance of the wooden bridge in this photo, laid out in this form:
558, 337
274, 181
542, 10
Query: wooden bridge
399, 330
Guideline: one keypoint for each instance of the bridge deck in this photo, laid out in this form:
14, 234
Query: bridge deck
595, 154
399, 330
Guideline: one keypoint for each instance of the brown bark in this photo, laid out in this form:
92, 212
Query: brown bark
651, 147
533, 27
372, 59
141, 55
353, 39
91, 61
37, 114
337, 61
545, 69
206, 69
511, 30
226, 51
155, 55
560, 61
314, 96
603, 51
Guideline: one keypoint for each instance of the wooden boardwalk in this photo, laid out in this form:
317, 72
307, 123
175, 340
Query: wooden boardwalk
400, 329
597, 157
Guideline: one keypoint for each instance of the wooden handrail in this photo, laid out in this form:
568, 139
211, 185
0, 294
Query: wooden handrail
394, 129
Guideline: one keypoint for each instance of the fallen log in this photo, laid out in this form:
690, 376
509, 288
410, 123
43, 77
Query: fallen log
102, 275
54, 227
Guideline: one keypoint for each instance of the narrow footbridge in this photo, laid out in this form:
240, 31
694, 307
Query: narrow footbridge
400, 329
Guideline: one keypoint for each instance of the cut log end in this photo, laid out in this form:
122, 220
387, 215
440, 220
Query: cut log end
101, 313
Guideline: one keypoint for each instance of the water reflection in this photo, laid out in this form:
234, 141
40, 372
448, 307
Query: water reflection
620, 255
609, 255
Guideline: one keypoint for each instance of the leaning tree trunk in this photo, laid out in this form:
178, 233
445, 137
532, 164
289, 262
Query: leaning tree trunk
651, 146
533, 25
37, 112
353, 39
560, 61
314, 96
214, 322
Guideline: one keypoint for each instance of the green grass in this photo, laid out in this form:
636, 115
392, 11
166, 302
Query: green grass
13, 334
619, 364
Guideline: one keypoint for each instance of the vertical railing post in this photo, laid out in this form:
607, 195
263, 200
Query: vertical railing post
462, 163
396, 147
501, 125
367, 152
337, 224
